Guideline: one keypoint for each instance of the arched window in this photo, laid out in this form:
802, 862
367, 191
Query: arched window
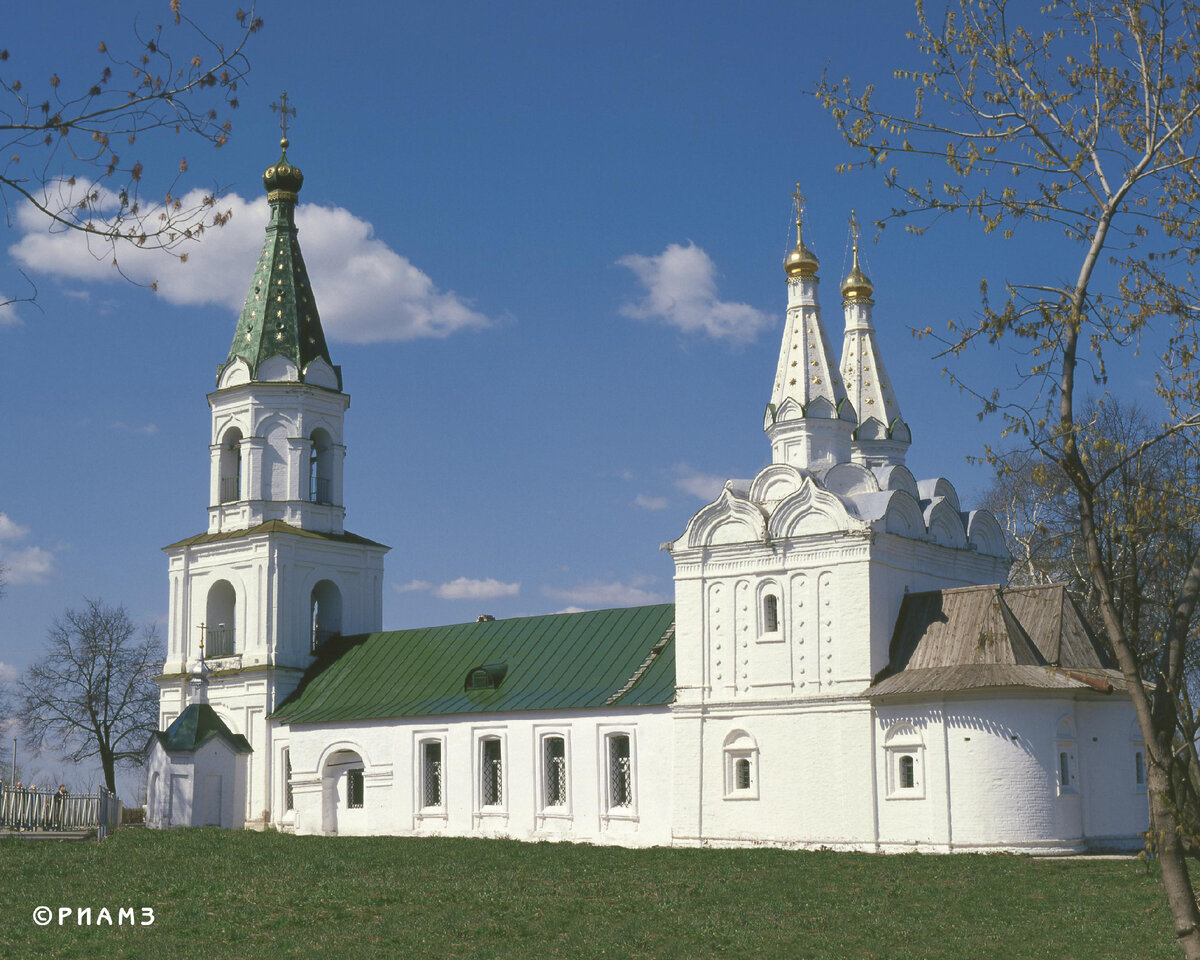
741, 766
620, 772
770, 613
904, 749
230, 469
431, 774
220, 621
1068, 776
1138, 745
320, 468
325, 612
554, 771
491, 772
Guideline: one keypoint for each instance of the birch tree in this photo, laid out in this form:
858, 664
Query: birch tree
1076, 128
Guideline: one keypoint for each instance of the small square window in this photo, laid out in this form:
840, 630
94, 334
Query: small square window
354, 789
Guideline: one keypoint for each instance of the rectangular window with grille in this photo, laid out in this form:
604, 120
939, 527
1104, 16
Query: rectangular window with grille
431, 773
620, 773
288, 802
354, 789
491, 776
554, 761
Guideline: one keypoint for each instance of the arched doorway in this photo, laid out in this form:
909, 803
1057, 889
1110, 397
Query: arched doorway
342, 791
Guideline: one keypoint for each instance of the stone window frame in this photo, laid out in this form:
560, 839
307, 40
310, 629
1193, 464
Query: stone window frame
904, 741
740, 747
608, 733
480, 737
421, 739
542, 737
1066, 757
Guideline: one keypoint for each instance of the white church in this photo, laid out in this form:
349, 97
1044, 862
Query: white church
842, 667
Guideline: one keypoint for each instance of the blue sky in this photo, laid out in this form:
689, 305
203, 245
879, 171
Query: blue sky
495, 195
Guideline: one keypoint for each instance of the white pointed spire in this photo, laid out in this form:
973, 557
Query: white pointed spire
881, 437
808, 420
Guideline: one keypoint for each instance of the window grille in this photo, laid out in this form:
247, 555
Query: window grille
908, 773
1139, 769
1064, 770
288, 802
431, 774
620, 779
555, 761
354, 789
741, 774
491, 776
770, 613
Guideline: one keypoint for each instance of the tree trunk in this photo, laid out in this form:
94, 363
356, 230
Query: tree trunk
110, 777
1173, 865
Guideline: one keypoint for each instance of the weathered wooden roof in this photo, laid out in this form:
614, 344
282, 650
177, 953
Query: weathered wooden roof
988, 636
599, 658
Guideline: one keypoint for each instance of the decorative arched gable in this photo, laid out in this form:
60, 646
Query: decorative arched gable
944, 523
903, 735
739, 740
775, 482
985, 535
939, 487
811, 510
903, 516
897, 477
278, 368
728, 519
236, 373
850, 479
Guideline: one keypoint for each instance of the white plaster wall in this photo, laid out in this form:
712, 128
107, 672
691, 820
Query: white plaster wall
812, 778
390, 753
1112, 799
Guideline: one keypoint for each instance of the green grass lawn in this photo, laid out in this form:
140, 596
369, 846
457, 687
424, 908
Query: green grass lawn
251, 895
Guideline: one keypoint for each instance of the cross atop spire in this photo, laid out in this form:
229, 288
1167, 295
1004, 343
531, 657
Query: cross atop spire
854, 232
284, 112
800, 200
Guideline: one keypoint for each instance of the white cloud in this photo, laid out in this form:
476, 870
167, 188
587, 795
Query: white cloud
411, 585
8, 312
571, 609
8, 673
366, 292
706, 486
651, 503
149, 429
681, 290
463, 588
597, 594
22, 564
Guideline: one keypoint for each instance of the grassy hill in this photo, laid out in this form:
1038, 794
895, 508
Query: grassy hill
224, 894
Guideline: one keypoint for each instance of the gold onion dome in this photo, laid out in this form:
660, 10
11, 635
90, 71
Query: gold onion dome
282, 176
857, 285
801, 262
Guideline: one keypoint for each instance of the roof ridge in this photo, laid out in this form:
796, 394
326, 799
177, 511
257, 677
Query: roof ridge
640, 672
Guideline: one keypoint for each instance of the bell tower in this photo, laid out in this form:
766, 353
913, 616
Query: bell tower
276, 575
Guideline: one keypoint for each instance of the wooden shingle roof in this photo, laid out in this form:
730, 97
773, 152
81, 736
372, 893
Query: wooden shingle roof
988, 636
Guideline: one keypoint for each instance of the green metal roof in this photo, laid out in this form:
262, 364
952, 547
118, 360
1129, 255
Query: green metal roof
280, 314
563, 661
273, 526
197, 725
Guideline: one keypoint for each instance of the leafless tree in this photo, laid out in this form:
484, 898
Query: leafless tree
71, 149
93, 693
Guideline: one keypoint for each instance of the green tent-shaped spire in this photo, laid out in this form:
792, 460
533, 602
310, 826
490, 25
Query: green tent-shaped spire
280, 314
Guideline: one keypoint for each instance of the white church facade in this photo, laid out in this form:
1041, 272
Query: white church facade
842, 666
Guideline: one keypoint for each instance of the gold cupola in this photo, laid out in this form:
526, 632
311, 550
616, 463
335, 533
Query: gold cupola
857, 285
801, 262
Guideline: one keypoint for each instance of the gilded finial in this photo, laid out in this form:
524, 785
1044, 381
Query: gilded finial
282, 179
857, 285
801, 261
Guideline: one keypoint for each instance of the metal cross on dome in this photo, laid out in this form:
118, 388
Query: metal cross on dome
284, 112
799, 198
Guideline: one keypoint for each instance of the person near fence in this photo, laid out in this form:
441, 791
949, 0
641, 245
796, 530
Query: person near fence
60, 806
